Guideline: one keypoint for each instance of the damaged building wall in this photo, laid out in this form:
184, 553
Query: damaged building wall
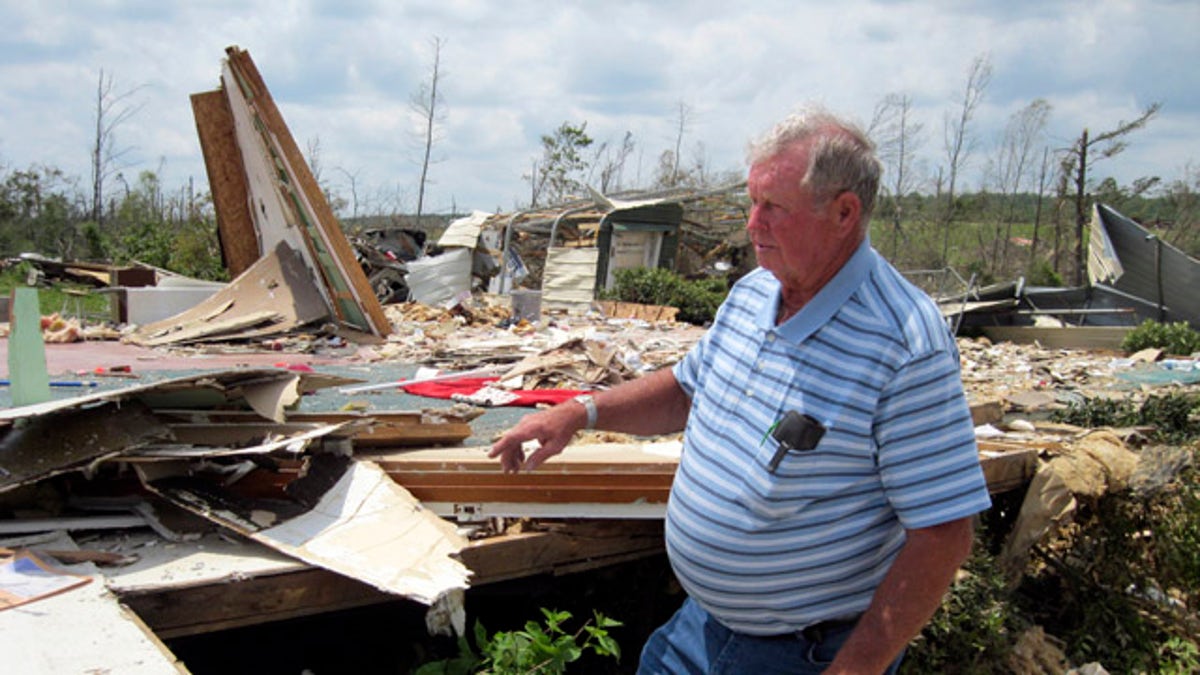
1139, 263
706, 235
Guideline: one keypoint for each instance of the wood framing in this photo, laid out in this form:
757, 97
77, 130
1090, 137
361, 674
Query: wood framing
353, 300
372, 430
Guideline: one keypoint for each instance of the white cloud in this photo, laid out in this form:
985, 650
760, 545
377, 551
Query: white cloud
343, 72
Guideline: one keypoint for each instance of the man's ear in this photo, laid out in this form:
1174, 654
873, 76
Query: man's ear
847, 208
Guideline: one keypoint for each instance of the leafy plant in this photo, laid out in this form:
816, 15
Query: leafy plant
974, 629
1128, 570
539, 648
697, 300
1098, 412
1176, 533
1174, 338
1179, 657
1170, 415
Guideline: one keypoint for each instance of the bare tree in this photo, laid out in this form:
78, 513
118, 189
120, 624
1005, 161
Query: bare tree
1075, 168
1009, 171
898, 138
537, 180
959, 143
1043, 171
352, 180
683, 122
312, 154
427, 103
612, 163
112, 110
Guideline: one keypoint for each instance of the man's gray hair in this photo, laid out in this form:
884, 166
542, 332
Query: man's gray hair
840, 158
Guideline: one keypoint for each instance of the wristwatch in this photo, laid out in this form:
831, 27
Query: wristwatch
589, 404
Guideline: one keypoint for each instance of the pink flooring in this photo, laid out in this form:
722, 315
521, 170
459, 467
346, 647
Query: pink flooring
76, 357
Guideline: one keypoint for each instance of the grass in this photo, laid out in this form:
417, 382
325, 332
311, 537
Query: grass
64, 298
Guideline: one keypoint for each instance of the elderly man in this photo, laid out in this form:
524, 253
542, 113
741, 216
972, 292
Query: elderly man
829, 476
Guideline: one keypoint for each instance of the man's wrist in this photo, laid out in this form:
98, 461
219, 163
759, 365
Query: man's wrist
589, 405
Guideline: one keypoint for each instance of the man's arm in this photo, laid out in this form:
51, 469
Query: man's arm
650, 405
907, 598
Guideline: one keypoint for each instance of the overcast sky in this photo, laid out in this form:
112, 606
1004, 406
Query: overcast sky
344, 73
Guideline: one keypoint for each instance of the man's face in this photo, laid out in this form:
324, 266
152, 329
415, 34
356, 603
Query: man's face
802, 242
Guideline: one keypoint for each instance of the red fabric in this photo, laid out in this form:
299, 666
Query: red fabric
469, 385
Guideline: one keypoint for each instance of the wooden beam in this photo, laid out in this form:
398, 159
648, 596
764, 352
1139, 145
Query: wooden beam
566, 548
375, 430
191, 610
226, 180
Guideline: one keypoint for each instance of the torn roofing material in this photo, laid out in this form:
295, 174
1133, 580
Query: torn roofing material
1137, 262
344, 515
1133, 276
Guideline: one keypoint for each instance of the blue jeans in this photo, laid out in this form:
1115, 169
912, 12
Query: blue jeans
694, 643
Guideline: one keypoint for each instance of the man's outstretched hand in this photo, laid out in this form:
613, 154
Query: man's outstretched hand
550, 430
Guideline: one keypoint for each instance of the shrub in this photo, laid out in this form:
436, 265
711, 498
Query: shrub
539, 648
1128, 570
1170, 415
975, 629
697, 300
1174, 338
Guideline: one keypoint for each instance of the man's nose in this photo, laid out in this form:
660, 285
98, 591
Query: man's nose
755, 220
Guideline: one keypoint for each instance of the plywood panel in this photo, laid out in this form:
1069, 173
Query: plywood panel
226, 180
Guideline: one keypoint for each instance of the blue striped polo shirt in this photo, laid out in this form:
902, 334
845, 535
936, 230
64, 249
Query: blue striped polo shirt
871, 358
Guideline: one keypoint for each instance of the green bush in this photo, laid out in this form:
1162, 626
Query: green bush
1174, 338
539, 648
1170, 415
975, 628
697, 300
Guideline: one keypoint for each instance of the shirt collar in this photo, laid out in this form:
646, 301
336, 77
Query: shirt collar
818, 311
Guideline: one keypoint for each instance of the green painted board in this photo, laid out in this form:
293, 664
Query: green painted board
26, 351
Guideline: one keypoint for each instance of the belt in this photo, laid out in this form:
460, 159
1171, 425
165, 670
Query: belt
817, 631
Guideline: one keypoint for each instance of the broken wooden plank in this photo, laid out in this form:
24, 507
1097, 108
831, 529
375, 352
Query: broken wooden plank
70, 524
1071, 337
1007, 465
371, 429
615, 309
232, 440
226, 180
